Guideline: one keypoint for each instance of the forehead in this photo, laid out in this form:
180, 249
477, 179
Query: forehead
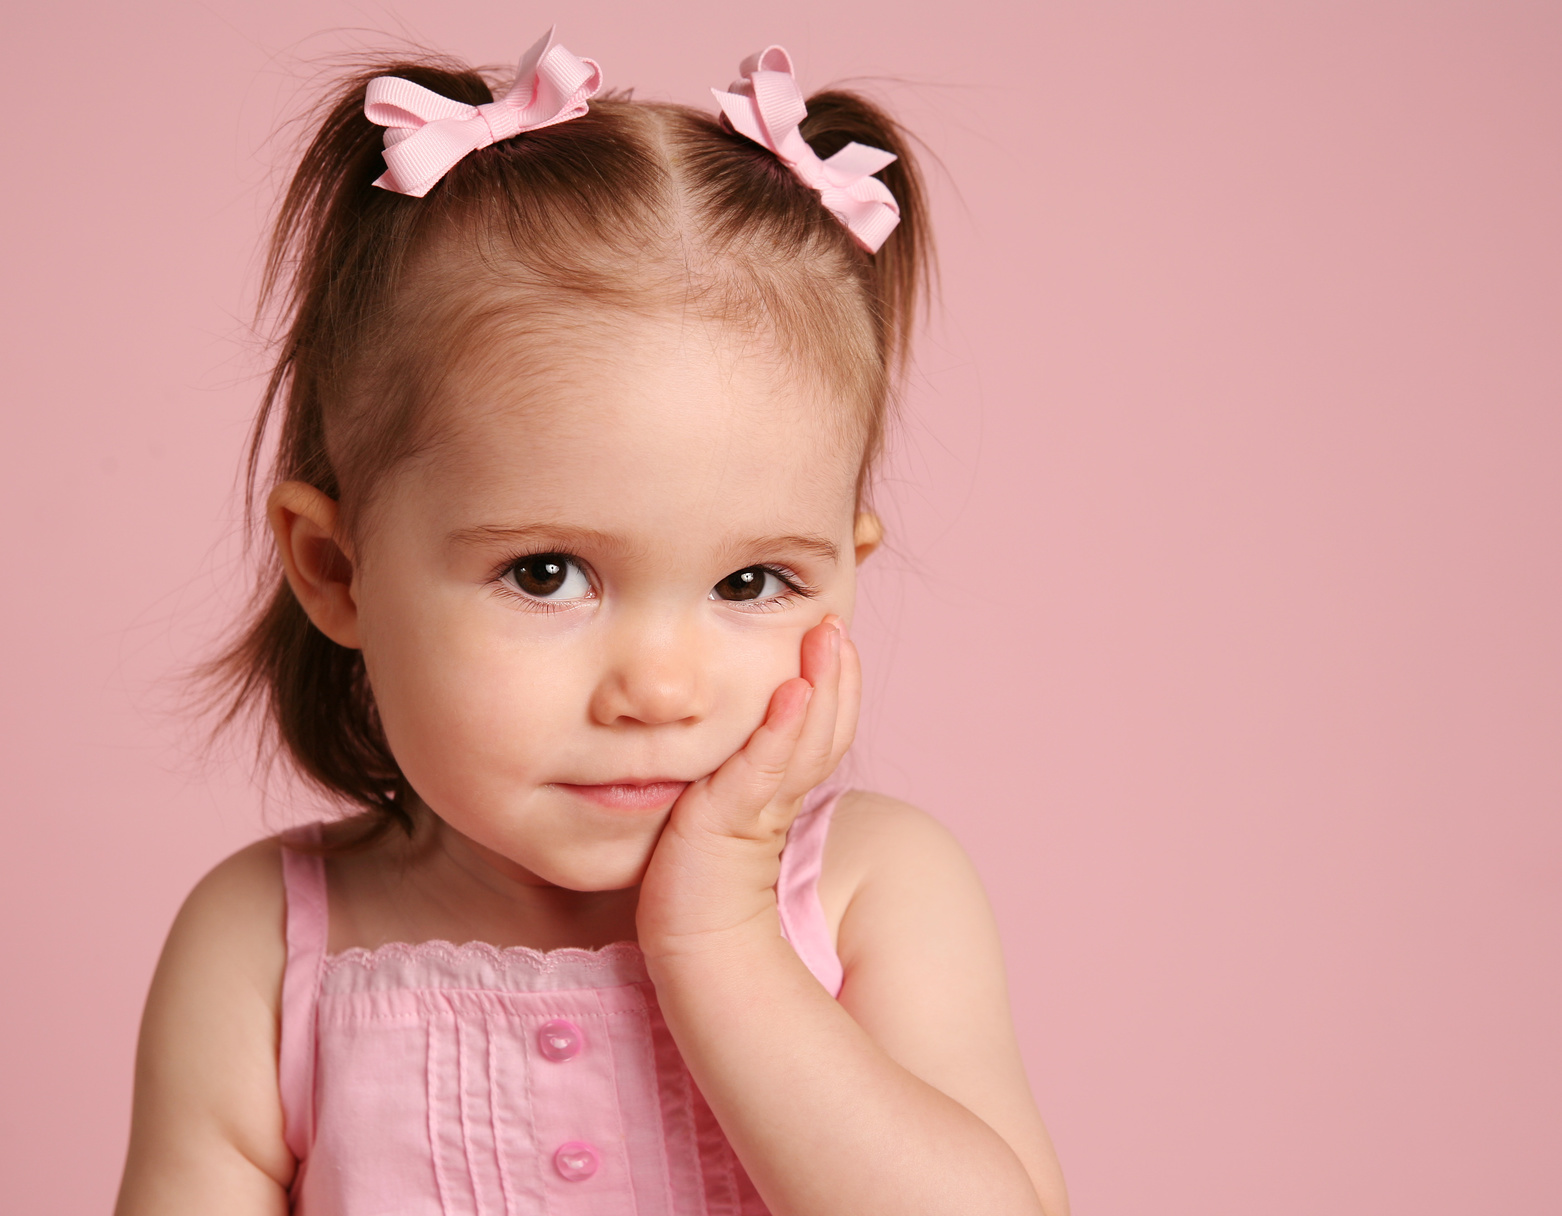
635, 425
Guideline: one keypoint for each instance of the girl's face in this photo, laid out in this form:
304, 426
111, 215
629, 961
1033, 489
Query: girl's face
583, 595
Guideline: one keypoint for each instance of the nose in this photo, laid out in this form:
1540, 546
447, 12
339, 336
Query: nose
653, 677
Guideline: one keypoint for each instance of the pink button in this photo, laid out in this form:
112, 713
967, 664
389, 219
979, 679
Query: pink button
576, 1160
560, 1040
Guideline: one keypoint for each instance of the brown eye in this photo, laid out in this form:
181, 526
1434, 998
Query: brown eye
549, 576
750, 583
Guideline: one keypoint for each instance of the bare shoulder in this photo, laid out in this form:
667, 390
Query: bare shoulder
207, 1122
862, 816
880, 847
229, 938
241, 902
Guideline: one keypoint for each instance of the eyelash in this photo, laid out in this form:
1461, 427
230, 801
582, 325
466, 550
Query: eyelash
789, 578
528, 602
795, 587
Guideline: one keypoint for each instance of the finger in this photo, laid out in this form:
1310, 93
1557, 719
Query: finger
752, 775
821, 666
850, 701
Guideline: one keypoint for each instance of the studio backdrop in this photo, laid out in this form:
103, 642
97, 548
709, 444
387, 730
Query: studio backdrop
1219, 616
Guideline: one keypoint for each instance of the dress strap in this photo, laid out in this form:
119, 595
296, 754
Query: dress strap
797, 888
308, 920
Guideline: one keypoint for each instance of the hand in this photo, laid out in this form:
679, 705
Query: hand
713, 873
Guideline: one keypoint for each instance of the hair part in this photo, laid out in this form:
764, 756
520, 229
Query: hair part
634, 207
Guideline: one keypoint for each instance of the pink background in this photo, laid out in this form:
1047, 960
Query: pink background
1223, 618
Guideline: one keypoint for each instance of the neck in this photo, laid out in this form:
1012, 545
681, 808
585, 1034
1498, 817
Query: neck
449, 886
508, 889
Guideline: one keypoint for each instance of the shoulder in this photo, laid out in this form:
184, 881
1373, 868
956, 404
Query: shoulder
221, 968
238, 891
233, 921
866, 821
878, 841
886, 860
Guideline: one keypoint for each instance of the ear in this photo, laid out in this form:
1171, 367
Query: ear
866, 535
319, 567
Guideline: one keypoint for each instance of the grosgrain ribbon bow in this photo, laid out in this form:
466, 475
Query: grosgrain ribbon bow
426, 134
767, 106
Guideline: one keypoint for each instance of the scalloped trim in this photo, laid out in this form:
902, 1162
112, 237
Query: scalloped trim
522, 958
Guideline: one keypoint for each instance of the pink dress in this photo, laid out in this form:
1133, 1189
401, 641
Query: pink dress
434, 1078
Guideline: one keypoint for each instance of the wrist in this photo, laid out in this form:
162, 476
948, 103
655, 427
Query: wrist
735, 936
704, 888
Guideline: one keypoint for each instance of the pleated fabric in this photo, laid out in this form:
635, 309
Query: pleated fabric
421, 1079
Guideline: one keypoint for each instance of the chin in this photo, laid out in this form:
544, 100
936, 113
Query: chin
597, 874
590, 865
556, 844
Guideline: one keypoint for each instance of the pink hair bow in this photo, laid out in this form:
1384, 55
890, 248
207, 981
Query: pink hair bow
767, 106
426, 134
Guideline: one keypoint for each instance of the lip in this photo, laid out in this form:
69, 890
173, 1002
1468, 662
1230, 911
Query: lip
628, 795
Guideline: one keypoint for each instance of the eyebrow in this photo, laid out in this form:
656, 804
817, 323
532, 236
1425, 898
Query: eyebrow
496, 534
819, 546
484, 535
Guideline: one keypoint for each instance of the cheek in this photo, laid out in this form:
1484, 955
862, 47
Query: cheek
463, 704
745, 669
480, 705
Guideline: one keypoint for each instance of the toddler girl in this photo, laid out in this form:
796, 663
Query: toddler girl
578, 402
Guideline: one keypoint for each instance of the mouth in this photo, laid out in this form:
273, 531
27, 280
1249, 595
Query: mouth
627, 795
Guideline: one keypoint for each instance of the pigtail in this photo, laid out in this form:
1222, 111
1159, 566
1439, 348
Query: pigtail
336, 250
902, 271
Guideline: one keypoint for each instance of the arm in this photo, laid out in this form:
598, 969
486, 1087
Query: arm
885, 1102
206, 1128
925, 974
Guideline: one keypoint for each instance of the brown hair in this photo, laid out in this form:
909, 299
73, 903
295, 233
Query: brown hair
632, 206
